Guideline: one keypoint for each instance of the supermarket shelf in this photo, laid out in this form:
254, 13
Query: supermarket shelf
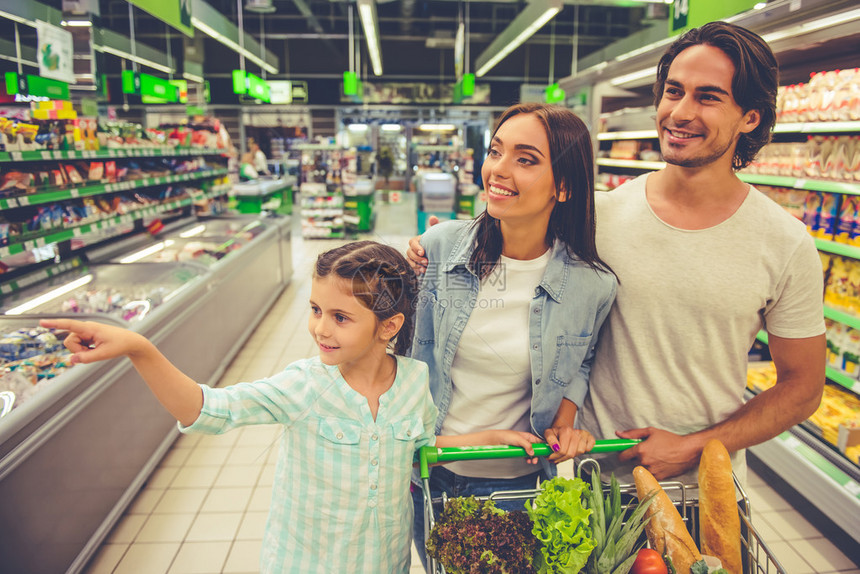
317, 147
632, 163
42, 274
67, 233
835, 375
835, 492
628, 135
75, 192
433, 147
46, 155
802, 183
842, 317
817, 127
837, 248
802, 128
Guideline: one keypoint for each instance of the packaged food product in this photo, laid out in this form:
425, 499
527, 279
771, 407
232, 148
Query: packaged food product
812, 209
846, 229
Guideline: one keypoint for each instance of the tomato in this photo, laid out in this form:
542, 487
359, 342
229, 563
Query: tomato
649, 561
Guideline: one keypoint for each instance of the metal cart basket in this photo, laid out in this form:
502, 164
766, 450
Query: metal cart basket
757, 557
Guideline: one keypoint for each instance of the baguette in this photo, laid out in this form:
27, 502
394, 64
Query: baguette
719, 521
666, 530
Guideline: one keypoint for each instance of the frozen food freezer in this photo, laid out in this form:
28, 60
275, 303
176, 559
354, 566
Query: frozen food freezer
74, 455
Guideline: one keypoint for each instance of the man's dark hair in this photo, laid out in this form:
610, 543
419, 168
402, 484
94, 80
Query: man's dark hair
753, 85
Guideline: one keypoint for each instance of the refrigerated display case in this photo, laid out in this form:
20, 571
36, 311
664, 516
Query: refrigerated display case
74, 455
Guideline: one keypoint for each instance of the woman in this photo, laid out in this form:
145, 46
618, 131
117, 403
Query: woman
511, 304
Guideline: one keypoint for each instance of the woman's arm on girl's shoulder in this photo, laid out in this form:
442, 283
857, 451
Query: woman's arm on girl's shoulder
90, 342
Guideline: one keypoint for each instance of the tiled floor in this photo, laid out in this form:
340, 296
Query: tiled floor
204, 508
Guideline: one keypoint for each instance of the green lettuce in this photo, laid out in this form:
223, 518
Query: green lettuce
560, 523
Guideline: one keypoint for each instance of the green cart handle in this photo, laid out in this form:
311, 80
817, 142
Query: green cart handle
428, 455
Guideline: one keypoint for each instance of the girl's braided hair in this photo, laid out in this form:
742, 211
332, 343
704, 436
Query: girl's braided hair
380, 278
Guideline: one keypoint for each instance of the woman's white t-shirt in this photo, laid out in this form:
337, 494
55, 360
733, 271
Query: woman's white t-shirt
491, 372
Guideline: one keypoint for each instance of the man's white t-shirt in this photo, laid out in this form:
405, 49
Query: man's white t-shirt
673, 352
491, 371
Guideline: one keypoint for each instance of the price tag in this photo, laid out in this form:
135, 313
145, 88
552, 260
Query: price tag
46, 155
17, 156
112, 153
58, 155
76, 232
74, 192
23, 200
799, 183
5, 289
40, 242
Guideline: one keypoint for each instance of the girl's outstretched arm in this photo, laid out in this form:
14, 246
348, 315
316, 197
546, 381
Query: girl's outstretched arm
90, 342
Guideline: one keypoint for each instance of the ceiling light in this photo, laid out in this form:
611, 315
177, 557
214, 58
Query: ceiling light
530, 20
151, 250
261, 6
215, 35
370, 24
357, 127
812, 26
135, 58
650, 73
437, 127
77, 23
16, 18
193, 232
49, 296
390, 127
193, 77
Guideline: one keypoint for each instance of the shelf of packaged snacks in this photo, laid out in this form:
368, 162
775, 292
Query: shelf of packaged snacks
632, 163
835, 375
46, 273
111, 221
802, 183
46, 155
838, 248
76, 192
817, 127
316, 147
785, 128
842, 317
627, 135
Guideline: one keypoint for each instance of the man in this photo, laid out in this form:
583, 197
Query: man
704, 261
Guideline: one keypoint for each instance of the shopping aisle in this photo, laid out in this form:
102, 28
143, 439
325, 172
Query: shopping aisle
204, 508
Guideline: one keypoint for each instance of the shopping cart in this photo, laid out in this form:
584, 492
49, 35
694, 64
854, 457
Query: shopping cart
757, 557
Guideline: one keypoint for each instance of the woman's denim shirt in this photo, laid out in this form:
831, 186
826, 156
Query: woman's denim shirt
565, 315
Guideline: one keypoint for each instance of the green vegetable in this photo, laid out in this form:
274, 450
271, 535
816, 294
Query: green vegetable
560, 523
699, 567
474, 536
616, 535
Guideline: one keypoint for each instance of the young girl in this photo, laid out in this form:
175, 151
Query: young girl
511, 304
353, 416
